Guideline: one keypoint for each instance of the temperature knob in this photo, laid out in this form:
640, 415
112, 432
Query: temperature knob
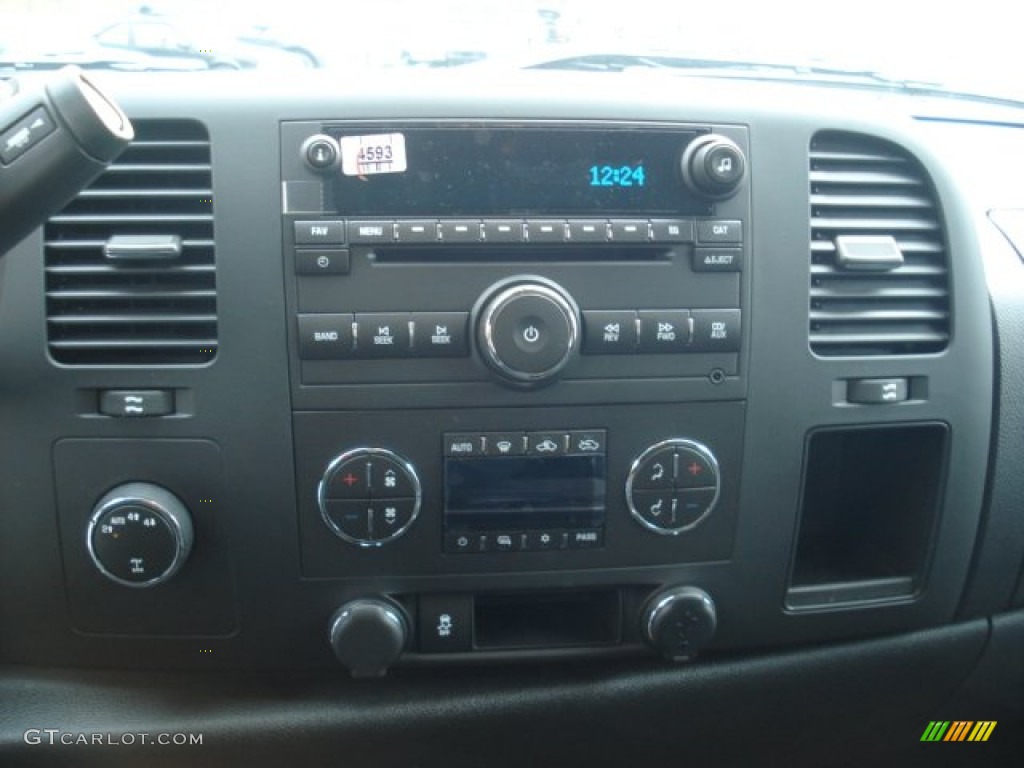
713, 166
139, 535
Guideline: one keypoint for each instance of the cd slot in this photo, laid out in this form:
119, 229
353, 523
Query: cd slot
441, 254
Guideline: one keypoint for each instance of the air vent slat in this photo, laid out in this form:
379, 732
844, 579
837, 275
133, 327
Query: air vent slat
860, 185
106, 194
126, 168
131, 319
877, 178
106, 269
130, 218
160, 313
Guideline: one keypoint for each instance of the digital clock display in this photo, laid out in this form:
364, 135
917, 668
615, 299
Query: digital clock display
617, 176
519, 170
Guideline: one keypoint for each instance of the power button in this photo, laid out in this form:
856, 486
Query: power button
528, 331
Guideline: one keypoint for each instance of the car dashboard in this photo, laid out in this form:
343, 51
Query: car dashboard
566, 418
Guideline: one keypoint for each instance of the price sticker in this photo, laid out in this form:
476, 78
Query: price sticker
369, 155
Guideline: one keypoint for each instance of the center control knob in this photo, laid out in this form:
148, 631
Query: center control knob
527, 329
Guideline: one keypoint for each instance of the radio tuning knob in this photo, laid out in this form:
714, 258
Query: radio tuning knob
368, 635
679, 622
713, 166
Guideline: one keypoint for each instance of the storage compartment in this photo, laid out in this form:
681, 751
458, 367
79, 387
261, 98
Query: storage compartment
870, 504
547, 620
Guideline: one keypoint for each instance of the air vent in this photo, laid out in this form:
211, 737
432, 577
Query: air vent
110, 299
871, 194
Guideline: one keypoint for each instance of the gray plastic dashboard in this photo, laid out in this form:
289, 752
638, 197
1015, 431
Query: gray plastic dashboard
254, 602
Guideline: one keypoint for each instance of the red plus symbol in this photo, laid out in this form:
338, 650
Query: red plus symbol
350, 479
694, 469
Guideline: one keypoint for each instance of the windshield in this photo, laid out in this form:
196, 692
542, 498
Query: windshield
964, 47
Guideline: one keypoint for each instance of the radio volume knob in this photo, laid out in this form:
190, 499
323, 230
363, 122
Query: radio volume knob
713, 166
527, 330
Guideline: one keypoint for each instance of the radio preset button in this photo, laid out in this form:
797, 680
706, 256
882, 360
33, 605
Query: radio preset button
382, 334
672, 230
461, 231
440, 334
629, 230
588, 231
657, 471
463, 444
505, 443
546, 443
719, 231
418, 231
664, 330
325, 337
717, 260
319, 232
609, 332
716, 330
503, 231
545, 230
371, 232
587, 442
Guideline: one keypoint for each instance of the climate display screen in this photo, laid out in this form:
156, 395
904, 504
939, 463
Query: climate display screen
524, 493
511, 171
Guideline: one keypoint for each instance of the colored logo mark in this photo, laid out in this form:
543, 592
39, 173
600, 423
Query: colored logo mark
958, 730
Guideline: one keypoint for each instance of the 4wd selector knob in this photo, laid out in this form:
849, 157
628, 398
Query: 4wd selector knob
713, 166
527, 329
139, 535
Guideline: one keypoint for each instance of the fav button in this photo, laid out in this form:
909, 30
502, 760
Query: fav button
319, 232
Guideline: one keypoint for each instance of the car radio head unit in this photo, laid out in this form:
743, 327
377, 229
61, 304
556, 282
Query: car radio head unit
490, 171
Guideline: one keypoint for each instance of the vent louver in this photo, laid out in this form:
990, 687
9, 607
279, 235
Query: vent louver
861, 186
133, 311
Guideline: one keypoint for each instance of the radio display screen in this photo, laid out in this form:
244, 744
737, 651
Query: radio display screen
519, 171
523, 493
